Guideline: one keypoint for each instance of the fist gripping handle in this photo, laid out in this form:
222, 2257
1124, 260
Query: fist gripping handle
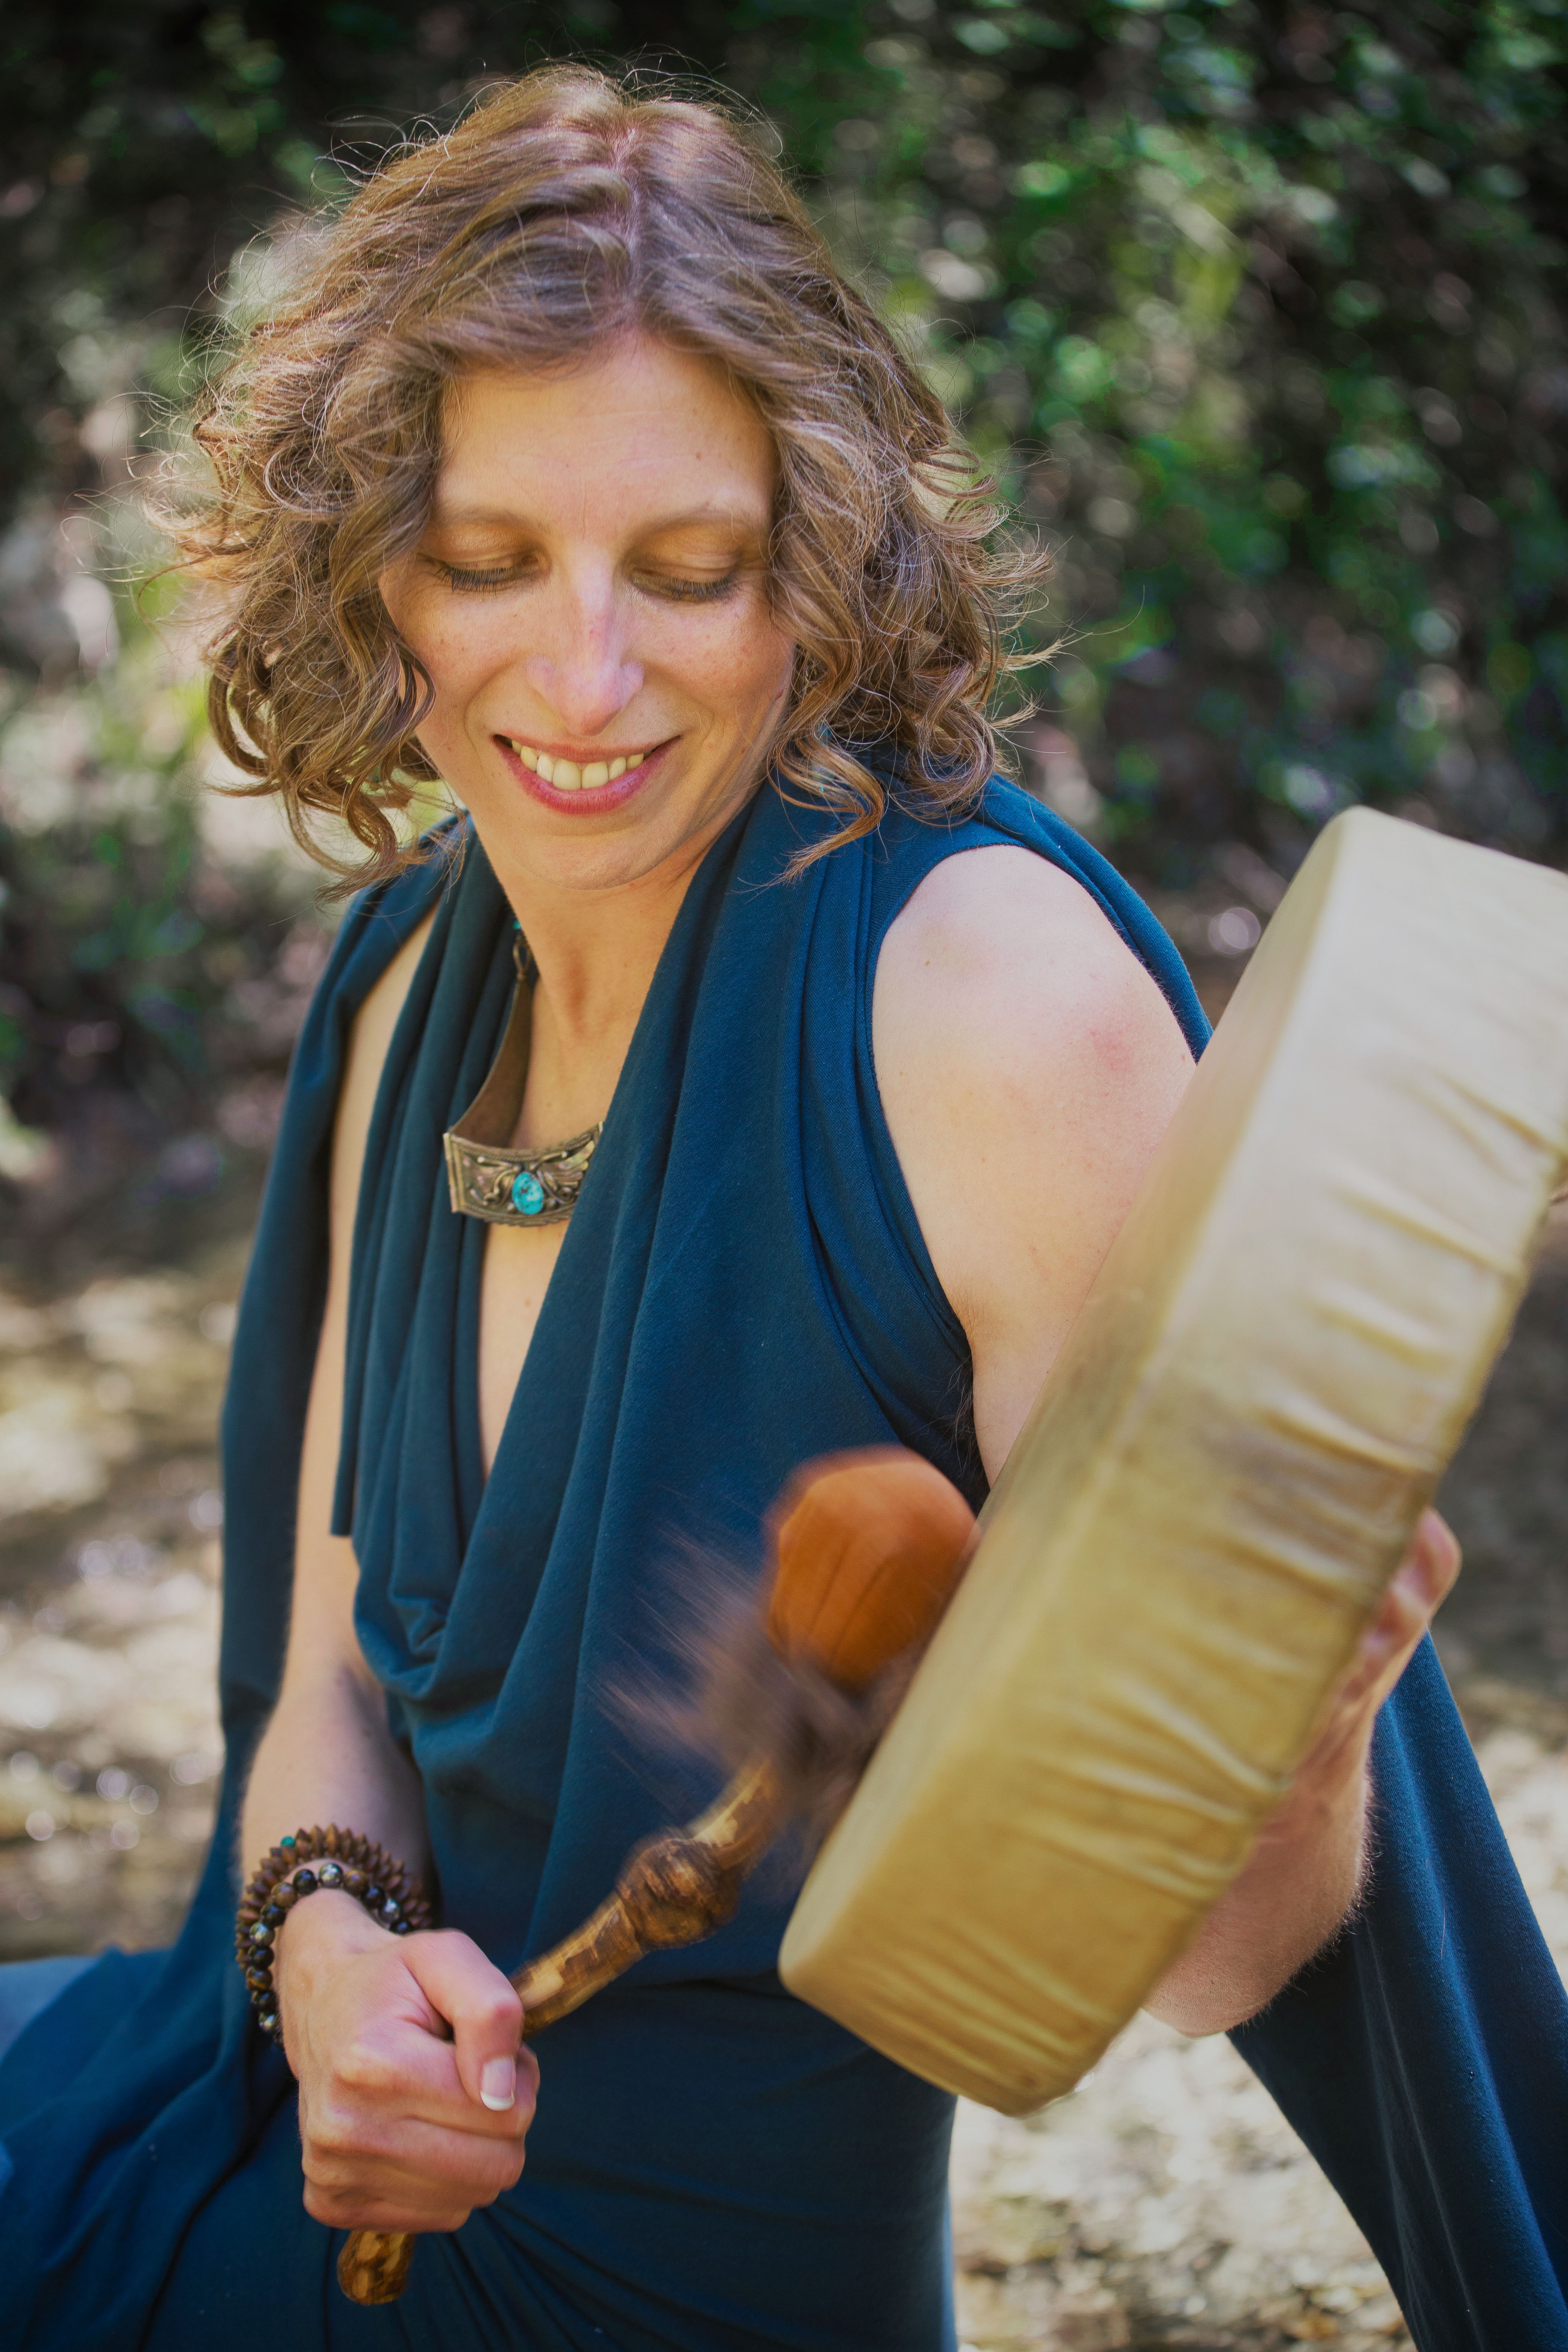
870, 1547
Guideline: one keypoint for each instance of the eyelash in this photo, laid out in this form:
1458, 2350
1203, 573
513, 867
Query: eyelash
478, 584
676, 592
696, 591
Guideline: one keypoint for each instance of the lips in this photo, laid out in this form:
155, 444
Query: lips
571, 775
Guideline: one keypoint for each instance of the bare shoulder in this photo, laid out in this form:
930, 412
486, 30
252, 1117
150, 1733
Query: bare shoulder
1003, 981
1028, 1064
995, 924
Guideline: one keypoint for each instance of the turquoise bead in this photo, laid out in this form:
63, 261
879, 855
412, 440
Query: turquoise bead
527, 1193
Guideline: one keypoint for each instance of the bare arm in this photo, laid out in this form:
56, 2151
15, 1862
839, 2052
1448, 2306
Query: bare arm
1028, 1066
326, 1754
413, 2097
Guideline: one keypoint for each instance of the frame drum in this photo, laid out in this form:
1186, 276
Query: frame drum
1264, 1386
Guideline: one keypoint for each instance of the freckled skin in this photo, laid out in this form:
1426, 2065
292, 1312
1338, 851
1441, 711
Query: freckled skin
622, 511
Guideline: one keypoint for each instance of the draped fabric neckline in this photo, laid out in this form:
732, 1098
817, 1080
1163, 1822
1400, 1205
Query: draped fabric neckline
744, 1208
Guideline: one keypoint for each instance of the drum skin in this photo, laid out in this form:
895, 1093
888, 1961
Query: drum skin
1265, 1384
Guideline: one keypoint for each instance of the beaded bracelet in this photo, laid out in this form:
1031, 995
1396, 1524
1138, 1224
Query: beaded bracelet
354, 1864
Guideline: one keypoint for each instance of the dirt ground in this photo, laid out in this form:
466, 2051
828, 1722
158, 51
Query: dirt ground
1164, 2203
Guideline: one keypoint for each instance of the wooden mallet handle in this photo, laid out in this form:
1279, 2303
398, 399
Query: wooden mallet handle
868, 1548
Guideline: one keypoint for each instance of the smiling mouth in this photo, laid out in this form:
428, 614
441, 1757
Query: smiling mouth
569, 775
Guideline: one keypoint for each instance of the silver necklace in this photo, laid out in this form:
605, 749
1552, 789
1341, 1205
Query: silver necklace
485, 1176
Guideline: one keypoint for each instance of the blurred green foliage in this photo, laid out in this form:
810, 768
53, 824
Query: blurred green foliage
1256, 310
145, 139
140, 977
1258, 313
148, 981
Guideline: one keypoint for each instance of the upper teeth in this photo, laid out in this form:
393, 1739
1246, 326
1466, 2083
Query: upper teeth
567, 776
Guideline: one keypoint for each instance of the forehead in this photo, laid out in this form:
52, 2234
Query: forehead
635, 432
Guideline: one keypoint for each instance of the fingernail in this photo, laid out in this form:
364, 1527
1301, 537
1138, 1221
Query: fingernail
498, 2083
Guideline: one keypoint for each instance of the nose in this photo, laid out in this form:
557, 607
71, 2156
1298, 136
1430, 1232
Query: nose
580, 664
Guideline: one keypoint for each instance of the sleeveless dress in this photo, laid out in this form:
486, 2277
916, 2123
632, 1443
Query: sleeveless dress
713, 2166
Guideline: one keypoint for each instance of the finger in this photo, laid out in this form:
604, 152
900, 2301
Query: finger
372, 2208
484, 2015
1419, 1586
395, 2068
1430, 1568
1416, 1592
412, 2161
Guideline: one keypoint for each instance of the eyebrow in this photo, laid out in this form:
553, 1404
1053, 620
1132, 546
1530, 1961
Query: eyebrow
723, 516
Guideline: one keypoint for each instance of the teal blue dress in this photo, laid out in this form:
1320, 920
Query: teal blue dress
713, 2167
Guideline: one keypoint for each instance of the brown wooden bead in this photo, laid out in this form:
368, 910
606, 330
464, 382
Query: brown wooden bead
285, 1878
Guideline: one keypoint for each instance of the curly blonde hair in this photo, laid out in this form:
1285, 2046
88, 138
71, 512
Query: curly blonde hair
569, 210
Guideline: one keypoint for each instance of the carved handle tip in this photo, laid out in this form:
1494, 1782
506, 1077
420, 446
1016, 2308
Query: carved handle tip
675, 1889
374, 2265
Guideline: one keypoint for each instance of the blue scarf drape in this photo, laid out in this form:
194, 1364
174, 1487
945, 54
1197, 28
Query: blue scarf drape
743, 1285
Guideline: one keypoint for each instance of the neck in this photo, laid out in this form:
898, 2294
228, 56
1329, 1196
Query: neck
596, 950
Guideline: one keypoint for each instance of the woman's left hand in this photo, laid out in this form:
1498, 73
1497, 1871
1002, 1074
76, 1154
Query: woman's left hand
1304, 1873
1421, 1583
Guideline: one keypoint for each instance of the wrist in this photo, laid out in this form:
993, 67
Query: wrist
300, 1869
1300, 1884
1328, 1797
322, 1933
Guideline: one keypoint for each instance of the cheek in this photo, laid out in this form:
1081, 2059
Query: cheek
459, 650
744, 666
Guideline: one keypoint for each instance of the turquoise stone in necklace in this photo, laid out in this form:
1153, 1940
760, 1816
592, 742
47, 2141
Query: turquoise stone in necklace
527, 1193
485, 1176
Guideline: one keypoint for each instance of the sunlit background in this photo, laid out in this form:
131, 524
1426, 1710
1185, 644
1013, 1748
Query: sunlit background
1256, 313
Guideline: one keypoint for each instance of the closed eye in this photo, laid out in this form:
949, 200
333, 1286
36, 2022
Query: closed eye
466, 580
482, 584
686, 592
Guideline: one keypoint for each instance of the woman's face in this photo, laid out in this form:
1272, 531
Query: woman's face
590, 603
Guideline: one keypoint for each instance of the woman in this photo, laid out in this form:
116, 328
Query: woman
573, 476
